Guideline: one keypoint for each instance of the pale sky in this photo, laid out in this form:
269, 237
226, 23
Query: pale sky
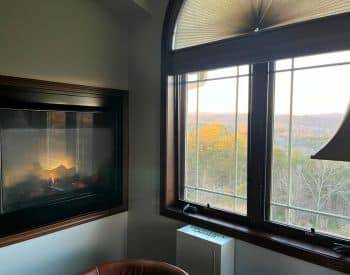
316, 91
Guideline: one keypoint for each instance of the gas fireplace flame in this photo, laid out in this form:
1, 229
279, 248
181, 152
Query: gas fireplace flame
53, 174
52, 179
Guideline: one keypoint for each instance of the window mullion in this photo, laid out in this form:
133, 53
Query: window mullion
258, 141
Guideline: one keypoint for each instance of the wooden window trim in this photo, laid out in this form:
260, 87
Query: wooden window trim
255, 228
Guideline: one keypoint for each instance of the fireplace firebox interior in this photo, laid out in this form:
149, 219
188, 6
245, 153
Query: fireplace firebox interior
52, 155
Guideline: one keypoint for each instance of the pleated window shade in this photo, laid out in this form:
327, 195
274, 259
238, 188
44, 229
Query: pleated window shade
204, 21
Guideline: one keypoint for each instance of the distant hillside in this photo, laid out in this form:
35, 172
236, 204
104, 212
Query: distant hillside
225, 119
310, 132
324, 123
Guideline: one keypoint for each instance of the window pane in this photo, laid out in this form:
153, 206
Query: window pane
322, 59
242, 134
218, 73
216, 139
216, 135
309, 105
283, 64
191, 137
280, 161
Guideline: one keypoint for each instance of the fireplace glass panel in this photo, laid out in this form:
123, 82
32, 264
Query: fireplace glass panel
48, 156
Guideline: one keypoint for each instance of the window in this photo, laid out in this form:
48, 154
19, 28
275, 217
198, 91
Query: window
216, 138
260, 151
310, 100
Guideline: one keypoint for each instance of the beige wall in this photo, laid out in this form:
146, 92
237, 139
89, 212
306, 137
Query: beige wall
68, 251
74, 41
149, 234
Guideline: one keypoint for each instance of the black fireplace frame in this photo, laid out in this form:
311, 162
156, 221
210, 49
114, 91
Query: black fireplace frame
21, 93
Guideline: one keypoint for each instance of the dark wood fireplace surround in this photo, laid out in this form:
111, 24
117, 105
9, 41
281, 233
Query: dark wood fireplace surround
20, 93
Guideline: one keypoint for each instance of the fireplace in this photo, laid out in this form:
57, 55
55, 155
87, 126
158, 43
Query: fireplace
61, 154
53, 155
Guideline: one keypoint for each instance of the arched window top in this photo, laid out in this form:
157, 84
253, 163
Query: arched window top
204, 21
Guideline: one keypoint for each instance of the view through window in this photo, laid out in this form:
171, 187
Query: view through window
311, 98
216, 129
311, 95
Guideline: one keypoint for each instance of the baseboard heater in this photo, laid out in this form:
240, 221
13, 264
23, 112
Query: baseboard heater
203, 252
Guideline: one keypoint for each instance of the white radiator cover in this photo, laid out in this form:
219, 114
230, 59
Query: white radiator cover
203, 252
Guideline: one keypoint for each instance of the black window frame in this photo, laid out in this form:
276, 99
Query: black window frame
313, 37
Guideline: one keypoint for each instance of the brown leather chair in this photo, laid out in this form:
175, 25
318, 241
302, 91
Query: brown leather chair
135, 267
